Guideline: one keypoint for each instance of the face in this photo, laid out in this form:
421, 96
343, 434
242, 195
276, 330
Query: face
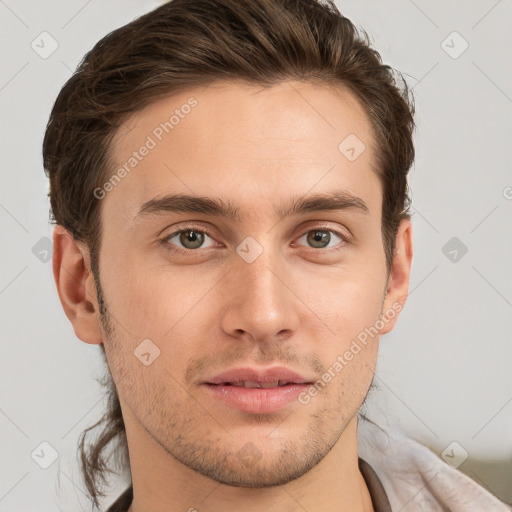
259, 286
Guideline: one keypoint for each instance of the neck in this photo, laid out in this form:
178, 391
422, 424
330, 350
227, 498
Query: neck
161, 483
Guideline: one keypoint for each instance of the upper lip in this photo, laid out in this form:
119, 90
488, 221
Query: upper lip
262, 375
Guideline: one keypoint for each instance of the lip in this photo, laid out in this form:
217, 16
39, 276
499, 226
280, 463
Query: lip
257, 400
263, 375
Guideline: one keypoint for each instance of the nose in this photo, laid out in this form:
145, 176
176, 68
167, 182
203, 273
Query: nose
260, 304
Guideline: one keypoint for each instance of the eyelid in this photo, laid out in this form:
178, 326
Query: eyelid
345, 234
188, 227
318, 226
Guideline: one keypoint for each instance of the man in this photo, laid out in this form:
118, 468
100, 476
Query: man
229, 184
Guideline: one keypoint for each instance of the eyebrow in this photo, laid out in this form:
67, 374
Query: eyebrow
180, 203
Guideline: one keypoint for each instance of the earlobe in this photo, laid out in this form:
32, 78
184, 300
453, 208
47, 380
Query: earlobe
75, 286
398, 283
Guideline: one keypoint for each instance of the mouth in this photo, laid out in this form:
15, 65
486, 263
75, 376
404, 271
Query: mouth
257, 391
258, 385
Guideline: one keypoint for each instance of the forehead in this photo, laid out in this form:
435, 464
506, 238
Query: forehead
244, 142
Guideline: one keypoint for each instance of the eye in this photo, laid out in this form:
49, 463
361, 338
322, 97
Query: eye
188, 238
321, 238
191, 238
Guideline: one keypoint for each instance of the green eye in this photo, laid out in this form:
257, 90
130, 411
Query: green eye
187, 239
192, 237
321, 238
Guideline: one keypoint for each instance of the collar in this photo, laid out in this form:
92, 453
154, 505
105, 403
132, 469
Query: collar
375, 488
378, 495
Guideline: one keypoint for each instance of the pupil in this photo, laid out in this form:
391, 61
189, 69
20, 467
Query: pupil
319, 237
191, 239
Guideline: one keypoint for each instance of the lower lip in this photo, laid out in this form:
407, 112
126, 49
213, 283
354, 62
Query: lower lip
257, 400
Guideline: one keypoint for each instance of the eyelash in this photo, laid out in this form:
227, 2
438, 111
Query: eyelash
176, 249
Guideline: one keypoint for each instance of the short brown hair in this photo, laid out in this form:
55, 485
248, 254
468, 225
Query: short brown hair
186, 43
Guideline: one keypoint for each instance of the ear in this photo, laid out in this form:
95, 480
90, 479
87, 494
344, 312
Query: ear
398, 281
75, 285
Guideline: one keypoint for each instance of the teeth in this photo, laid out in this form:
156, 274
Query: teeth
270, 384
254, 384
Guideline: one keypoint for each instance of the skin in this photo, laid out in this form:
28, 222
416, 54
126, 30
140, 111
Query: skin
299, 305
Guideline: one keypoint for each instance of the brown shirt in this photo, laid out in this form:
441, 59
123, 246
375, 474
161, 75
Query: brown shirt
377, 493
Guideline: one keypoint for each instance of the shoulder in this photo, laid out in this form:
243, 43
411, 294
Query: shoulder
416, 479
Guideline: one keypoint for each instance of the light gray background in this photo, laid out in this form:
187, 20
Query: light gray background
443, 373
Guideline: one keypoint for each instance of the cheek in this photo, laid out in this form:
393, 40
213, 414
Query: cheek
350, 354
349, 303
345, 300
156, 300
173, 309
335, 303
146, 300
